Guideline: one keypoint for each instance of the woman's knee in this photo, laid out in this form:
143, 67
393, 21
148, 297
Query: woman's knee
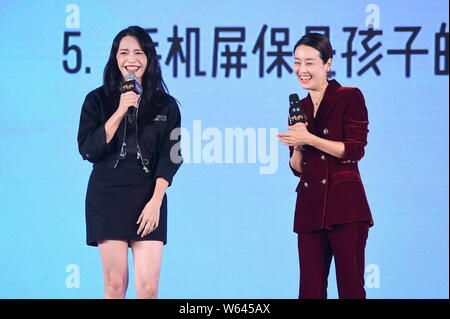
116, 284
147, 290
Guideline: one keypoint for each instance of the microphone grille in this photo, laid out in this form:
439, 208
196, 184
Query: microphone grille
130, 76
293, 99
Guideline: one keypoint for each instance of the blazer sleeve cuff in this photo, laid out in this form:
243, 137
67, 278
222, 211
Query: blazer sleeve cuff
167, 172
353, 151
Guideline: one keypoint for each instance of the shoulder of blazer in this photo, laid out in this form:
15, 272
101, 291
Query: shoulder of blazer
99, 99
96, 96
162, 100
349, 91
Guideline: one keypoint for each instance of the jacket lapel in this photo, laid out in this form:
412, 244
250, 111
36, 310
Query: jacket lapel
309, 111
326, 104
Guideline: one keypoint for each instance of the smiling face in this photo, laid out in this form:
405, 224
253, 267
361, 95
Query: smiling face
131, 58
309, 68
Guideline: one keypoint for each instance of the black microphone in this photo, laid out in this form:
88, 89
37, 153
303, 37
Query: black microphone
131, 84
296, 113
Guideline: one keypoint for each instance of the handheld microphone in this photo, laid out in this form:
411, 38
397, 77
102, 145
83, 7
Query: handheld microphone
296, 113
131, 84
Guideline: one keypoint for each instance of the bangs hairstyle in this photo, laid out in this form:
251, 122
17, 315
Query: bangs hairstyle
152, 82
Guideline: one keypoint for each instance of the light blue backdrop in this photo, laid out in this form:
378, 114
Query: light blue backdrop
230, 226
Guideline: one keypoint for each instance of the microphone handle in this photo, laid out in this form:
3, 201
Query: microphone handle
131, 114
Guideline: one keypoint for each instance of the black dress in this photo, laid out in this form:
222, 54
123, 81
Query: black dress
121, 184
116, 197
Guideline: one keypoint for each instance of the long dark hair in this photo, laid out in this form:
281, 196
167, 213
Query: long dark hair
321, 43
152, 81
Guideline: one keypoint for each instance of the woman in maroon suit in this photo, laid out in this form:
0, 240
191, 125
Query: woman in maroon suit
332, 215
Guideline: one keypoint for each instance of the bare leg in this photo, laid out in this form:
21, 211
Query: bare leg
114, 255
147, 257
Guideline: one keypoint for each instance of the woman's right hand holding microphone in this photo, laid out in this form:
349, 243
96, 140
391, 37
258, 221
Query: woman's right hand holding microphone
128, 99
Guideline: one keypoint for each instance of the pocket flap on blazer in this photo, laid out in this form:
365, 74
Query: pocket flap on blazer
345, 176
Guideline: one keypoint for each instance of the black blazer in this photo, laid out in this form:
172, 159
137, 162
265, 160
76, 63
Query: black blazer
158, 133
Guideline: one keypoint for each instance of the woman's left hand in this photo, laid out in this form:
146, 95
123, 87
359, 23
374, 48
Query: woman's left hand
149, 218
298, 135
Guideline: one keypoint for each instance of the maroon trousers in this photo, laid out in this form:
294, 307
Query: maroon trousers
346, 242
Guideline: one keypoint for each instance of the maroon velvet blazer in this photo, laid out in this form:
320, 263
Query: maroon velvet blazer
330, 191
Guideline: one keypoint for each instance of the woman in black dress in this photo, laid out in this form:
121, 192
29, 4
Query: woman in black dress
134, 160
